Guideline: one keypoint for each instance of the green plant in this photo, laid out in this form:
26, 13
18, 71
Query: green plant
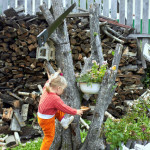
83, 134
29, 146
146, 80
95, 33
95, 74
113, 53
135, 125
83, 131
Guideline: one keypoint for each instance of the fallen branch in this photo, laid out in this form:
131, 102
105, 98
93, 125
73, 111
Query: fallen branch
104, 29
14, 95
103, 23
114, 32
107, 114
84, 123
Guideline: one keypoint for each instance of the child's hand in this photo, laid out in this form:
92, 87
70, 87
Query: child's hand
79, 112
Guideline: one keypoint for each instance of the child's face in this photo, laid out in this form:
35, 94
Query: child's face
60, 90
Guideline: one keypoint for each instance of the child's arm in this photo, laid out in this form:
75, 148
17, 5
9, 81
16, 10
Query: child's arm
60, 105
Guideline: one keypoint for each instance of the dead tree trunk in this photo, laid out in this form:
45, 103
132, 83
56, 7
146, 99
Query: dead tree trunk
65, 139
70, 139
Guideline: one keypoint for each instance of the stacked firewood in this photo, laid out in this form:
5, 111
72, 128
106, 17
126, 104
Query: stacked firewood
20, 73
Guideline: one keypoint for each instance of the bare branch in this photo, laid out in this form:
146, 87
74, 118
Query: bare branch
50, 19
96, 48
110, 35
49, 68
103, 23
48, 16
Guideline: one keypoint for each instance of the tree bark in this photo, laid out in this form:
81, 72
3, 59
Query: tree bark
70, 138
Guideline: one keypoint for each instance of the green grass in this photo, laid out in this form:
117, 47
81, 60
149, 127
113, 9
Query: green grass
33, 145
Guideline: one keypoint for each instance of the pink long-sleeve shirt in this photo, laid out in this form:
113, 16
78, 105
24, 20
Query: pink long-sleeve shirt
51, 102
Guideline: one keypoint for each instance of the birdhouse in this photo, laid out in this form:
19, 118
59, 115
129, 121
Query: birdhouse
47, 51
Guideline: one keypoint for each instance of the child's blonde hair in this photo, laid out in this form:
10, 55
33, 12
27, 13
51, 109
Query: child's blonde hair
56, 80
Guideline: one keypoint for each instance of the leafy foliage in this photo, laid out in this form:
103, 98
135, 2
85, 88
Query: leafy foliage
135, 125
83, 131
94, 75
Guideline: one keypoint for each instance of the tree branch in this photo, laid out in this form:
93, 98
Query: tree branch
50, 19
104, 29
48, 67
104, 99
96, 48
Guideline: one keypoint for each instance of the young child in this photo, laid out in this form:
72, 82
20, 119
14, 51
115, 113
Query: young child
51, 106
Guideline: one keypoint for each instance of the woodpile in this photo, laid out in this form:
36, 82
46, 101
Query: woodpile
21, 74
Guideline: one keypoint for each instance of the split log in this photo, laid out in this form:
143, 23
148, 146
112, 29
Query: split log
7, 114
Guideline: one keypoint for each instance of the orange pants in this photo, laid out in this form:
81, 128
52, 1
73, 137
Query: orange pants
48, 127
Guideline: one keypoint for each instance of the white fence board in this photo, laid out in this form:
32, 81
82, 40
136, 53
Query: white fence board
32, 6
89, 2
122, 12
75, 10
12, 3
20, 2
99, 2
145, 16
37, 4
29, 7
4, 5
46, 2
130, 12
114, 9
106, 8
68, 3
83, 4
137, 16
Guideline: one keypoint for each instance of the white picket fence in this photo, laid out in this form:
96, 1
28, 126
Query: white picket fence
107, 8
